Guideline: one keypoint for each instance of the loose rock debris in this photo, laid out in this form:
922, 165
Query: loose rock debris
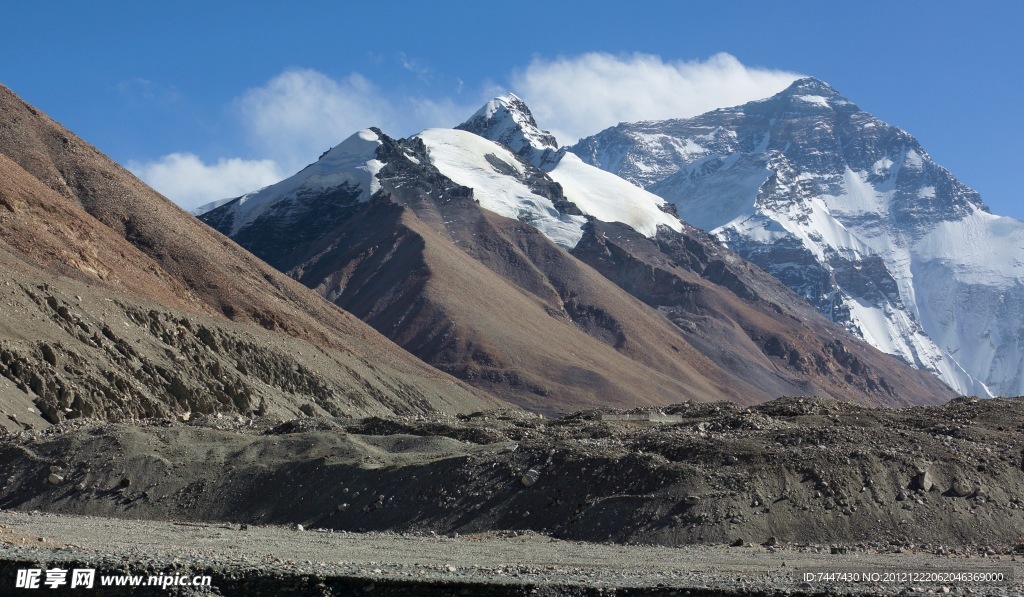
794, 470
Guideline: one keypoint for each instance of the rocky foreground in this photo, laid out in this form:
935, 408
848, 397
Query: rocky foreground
792, 476
274, 560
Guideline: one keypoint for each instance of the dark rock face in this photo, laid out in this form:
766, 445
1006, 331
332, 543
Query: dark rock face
330, 209
845, 210
828, 285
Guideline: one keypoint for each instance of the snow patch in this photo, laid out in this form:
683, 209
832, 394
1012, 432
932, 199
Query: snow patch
980, 248
813, 99
881, 167
860, 197
352, 162
463, 157
610, 198
686, 149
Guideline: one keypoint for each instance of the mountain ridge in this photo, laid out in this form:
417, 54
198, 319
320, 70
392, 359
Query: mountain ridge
470, 224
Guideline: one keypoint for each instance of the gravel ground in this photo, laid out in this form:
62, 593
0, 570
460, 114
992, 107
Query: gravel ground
273, 559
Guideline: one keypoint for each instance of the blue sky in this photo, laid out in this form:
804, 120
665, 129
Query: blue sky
205, 99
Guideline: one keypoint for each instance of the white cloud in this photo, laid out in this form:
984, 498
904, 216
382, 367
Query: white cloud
582, 95
291, 120
423, 113
300, 113
188, 181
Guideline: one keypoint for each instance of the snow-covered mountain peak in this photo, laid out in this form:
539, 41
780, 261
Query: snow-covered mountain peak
346, 172
810, 85
507, 124
812, 93
351, 152
556, 202
507, 120
853, 214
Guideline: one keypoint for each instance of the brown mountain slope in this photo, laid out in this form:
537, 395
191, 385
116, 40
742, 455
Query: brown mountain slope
119, 304
494, 302
431, 289
746, 321
540, 335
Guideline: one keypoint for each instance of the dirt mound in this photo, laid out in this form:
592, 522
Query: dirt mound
795, 470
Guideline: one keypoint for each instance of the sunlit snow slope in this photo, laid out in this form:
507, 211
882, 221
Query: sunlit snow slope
506, 122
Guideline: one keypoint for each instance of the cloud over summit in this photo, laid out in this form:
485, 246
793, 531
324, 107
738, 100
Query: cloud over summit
578, 96
189, 182
298, 114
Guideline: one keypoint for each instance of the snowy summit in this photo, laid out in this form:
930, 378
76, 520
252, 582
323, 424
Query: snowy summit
852, 214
